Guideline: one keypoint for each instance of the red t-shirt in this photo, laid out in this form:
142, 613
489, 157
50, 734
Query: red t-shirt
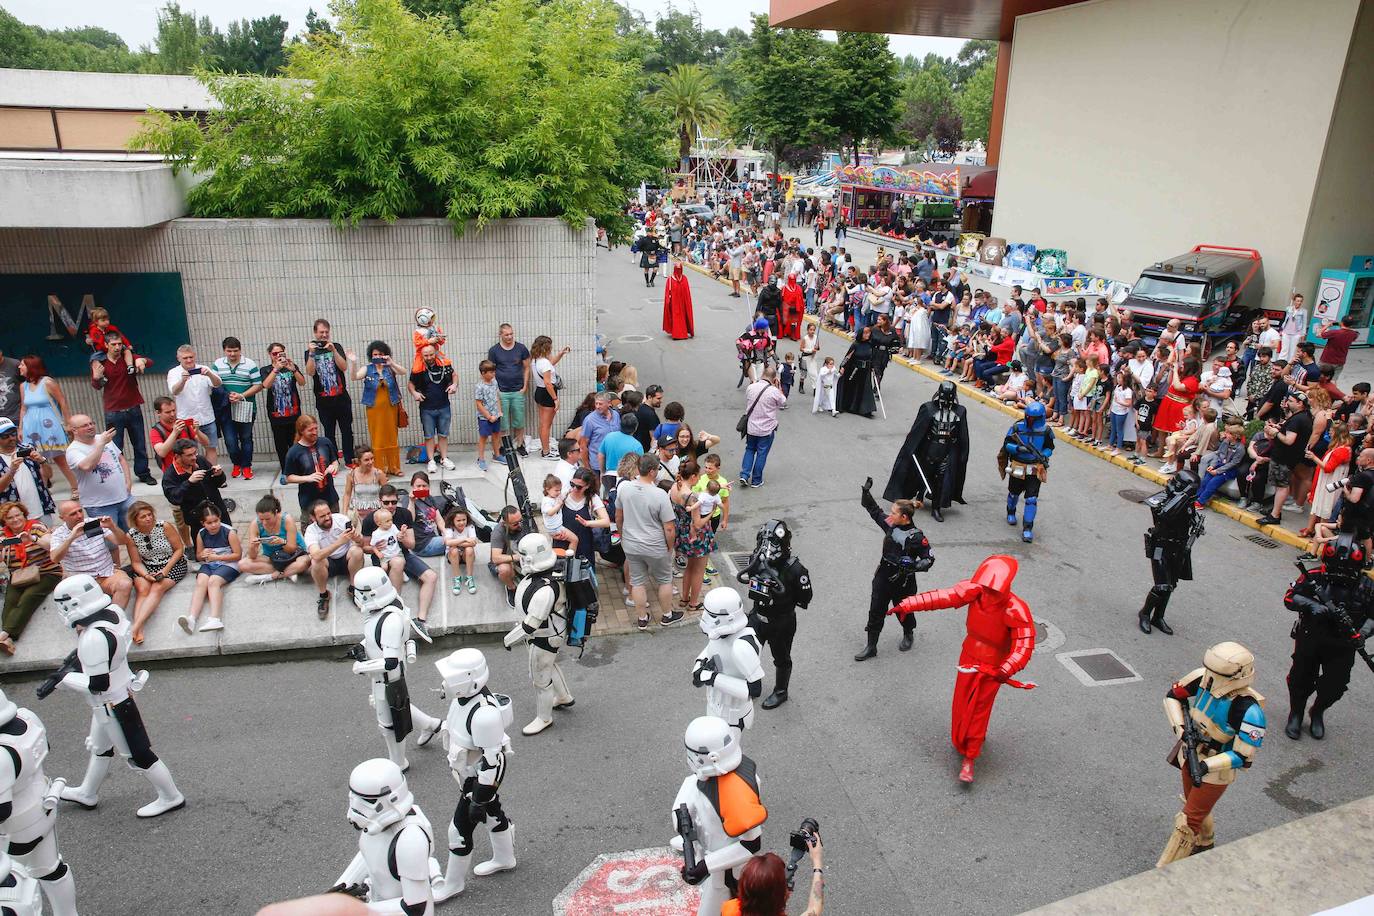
118, 389
1338, 341
157, 435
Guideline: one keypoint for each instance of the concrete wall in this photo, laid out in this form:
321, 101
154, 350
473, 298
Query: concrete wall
120, 91
1136, 130
1341, 222
92, 195
266, 280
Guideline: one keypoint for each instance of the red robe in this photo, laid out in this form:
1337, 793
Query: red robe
678, 322
793, 308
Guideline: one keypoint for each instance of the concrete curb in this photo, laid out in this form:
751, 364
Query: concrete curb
1217, 505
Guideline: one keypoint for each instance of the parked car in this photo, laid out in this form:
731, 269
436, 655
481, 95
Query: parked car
1214, 292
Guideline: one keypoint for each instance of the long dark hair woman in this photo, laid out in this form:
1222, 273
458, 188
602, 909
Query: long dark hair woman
854, 394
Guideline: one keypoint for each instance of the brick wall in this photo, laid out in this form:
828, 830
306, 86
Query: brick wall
266, 280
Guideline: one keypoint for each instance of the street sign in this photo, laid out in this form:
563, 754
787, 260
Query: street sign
644, 882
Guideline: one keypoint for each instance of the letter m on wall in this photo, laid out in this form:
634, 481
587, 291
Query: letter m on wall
58, 314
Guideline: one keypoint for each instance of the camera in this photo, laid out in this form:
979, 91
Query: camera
194, 370
91, 528
801, 841
1335, 485
25, 451
320, 346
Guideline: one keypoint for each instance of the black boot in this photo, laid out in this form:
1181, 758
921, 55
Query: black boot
936, 514
908, 640
1315, 726
1294, 727
1160, 625
1144, 618
869, 650
780, 682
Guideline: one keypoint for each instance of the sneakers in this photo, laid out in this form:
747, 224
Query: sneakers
472, 585
432, 467
710, 569
522, 451
259, 578
281, 481
148, 479
423, 629
551, 455
322, 605
481, 464
510, 598
448, 465
187, 623
677, 573
1167, 468
1268, 519
247, 473
236, 471
668, 620
643, 622
457, 587
214, 623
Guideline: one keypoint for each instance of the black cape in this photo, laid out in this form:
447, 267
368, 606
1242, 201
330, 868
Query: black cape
854, 389
906, 481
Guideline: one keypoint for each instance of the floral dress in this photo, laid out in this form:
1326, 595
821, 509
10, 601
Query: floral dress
692, 542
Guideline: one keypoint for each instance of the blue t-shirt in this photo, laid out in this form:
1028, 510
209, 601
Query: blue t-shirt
615, 447
510, 365
596, 428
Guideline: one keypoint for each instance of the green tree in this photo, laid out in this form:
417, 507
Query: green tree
254, 46
693, 102
975, 101
19, 44
970, 59
776, 62
452, 9
181, 41
866, 90
529, 110
928, 99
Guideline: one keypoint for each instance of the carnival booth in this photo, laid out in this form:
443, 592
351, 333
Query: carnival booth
884, 198
1346, 292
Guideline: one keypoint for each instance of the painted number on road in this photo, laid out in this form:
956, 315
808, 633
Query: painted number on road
643, 882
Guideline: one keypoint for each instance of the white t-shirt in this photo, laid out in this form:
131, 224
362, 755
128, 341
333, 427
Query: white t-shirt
467, 534
1123, 400
387, 542
336, 535
1079, 335
24, 485
102, 485
564, 471
1143, 370
541, 365
1270, 338
706, 504
553, 514
194, 401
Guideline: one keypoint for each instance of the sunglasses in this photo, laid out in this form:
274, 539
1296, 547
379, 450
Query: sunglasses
391, 502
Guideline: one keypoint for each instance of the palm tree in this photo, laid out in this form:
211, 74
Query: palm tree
690, 95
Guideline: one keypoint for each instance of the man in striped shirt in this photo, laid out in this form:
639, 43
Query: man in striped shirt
85, 545
242, 379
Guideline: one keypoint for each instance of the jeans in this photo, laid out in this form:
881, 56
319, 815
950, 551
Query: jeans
117, 511
755, 457
938, 342
987, 370
130, 419
1062, 406
1213, 482
238, 437
810, 302
1117, 435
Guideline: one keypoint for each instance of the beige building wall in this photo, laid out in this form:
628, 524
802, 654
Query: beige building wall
1135, 130
267, 280
1341, 222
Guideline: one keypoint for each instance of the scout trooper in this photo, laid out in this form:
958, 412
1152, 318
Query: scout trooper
386, 643
545, 627
729, 666
28, 804
718, 809
392, 869
477, 749
103, 677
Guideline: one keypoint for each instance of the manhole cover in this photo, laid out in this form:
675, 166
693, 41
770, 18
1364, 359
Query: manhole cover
1098, 667
1262, 541
603, 311
720, 308
1135, 496
636, 338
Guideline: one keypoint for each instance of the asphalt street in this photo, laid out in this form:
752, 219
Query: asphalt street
1072, 790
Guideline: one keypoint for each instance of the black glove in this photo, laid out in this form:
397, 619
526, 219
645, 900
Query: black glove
868, 485
352, 890
696, 874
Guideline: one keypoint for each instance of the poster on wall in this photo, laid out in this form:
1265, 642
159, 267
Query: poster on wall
50, 315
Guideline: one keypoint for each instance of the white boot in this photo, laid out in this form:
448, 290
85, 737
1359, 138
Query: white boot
87, 795
395, 750
536, 726
502, 853
169, 798
455, 877
61, 894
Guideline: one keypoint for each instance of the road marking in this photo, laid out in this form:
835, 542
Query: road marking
645, 882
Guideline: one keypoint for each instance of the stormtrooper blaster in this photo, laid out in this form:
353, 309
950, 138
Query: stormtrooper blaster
687, 836
69, 664
521, 492
1356, 636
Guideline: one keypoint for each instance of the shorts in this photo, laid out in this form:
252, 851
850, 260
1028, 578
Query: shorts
211, 431
222, 570
644, 567
280, 559
338, 566
436, 421
1279, 474
177, 518
117, 511
487, 427
543, 398
432, 547
512, 410
736, 273
415, 567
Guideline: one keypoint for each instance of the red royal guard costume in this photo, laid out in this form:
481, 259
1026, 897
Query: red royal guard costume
793, 307
677, 306
1000, 640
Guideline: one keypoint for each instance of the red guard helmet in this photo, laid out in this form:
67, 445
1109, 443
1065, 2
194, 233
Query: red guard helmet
996, 573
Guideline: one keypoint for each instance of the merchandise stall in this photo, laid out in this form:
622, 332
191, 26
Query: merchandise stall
872, 194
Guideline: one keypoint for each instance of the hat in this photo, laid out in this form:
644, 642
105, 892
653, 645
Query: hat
6, 426
666, 441
1298, 395
1015, 365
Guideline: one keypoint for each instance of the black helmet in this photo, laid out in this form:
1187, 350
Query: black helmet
947, 394
774, 541
1184, 481
1344, 557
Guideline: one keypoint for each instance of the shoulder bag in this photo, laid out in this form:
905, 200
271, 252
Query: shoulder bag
742, 427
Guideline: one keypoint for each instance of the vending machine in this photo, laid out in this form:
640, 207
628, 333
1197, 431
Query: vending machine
1346, 292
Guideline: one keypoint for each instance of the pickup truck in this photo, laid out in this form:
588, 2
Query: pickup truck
1214, 292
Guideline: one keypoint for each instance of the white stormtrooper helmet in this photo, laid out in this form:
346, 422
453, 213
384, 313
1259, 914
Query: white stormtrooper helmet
424, 317
536, 553
7, 708
1230, 668
723, 613
464, 672
372, 589
712, 749
377, 795
79, 598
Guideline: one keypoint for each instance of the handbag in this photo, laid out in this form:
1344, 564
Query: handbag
25, 576
742, 427
402, 418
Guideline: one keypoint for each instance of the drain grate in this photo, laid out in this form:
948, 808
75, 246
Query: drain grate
1262, 541
1098, 667
1135, 496
738, 560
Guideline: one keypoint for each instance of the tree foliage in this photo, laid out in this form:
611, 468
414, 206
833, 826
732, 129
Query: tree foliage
866, 89
527, 111
776, 62
975, 102
693, 101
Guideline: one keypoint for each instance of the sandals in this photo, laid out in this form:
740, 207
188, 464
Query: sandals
7, 646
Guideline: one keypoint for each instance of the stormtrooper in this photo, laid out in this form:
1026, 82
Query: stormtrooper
28, 819
1169, 545
100, 672
477, 751
545, 627
729, 667
393, 868
778, 585
386, 649
718, 814
933, 460
1219, 721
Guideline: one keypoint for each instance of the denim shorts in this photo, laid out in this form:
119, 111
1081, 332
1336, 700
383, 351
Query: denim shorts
487, 427
436, 421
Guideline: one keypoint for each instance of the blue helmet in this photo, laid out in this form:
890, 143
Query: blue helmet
1035, 415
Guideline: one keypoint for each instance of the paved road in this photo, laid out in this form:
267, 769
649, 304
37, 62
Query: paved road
1072, 791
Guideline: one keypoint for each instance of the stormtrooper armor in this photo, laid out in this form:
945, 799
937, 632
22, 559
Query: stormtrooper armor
723, 816
539, 597
387, 645
393, 868
477, 751
1169, 545
28, 819
778, 585
101, 674
729, 667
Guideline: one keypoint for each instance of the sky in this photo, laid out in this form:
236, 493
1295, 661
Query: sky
136, 20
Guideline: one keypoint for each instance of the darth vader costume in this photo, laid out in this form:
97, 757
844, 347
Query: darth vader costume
933, 459
778, 585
